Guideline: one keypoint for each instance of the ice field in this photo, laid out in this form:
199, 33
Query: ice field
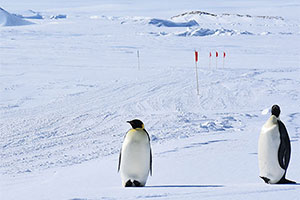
70, 80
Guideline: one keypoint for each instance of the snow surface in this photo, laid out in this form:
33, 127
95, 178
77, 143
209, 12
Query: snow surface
70, 81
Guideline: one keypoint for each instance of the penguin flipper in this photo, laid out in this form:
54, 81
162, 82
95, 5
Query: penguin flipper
150, 162
150, 152
284, 151
281, 155
120, 155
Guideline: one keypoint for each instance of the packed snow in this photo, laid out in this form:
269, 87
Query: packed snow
70, 81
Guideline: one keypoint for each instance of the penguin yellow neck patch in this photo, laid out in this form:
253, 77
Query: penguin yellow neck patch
135, 129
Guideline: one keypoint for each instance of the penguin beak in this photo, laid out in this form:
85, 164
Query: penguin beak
129, 122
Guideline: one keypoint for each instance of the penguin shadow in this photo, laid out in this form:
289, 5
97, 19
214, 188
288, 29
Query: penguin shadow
287, 184
291, 184
184, 186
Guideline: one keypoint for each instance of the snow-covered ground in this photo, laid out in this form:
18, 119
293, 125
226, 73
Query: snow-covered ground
70, 81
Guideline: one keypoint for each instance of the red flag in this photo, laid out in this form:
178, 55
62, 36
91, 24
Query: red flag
196, 56
217, 54
209, 54
224, 54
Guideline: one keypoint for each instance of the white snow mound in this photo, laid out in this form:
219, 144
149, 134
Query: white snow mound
206, 32
30, 14
8, 19
168, 23
200, 23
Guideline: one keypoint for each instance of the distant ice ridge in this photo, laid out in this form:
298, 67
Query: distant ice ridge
8, 19
30, 14
201, 13
202, 32
199, 23
200, 18
168, 23
207, 32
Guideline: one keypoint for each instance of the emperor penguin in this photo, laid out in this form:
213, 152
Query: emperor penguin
274, 150
135, 159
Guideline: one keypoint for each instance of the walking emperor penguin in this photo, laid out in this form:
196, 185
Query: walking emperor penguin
135, 160
274, 150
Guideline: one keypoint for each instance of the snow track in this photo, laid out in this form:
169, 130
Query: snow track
88, 122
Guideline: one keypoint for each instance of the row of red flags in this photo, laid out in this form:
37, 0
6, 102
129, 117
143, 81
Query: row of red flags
210, 55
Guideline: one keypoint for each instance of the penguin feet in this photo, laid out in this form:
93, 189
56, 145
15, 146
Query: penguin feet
137, 184
134, 183
265, 179
129, 183
283, 180
286, 181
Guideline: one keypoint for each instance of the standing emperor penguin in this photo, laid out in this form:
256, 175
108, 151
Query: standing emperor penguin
135, 160
274, 150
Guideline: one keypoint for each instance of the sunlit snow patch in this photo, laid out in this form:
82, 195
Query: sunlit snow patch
265, 111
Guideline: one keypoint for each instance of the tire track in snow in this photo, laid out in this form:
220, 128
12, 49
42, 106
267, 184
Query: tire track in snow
74, 129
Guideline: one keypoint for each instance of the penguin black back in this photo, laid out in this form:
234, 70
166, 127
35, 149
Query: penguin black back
275, 110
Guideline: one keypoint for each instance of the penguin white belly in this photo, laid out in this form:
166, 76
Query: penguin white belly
268, 145
135, 160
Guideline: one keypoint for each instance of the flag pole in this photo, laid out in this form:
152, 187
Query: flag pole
224, 55
196, 60
210, 60
217, 54
138, 59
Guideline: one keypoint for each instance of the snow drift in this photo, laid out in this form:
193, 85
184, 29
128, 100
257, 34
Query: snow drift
199, 23
168, 23
30, 14
8, 19
206, 32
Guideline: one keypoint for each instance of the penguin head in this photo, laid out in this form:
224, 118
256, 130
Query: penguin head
275, 110
136, 123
